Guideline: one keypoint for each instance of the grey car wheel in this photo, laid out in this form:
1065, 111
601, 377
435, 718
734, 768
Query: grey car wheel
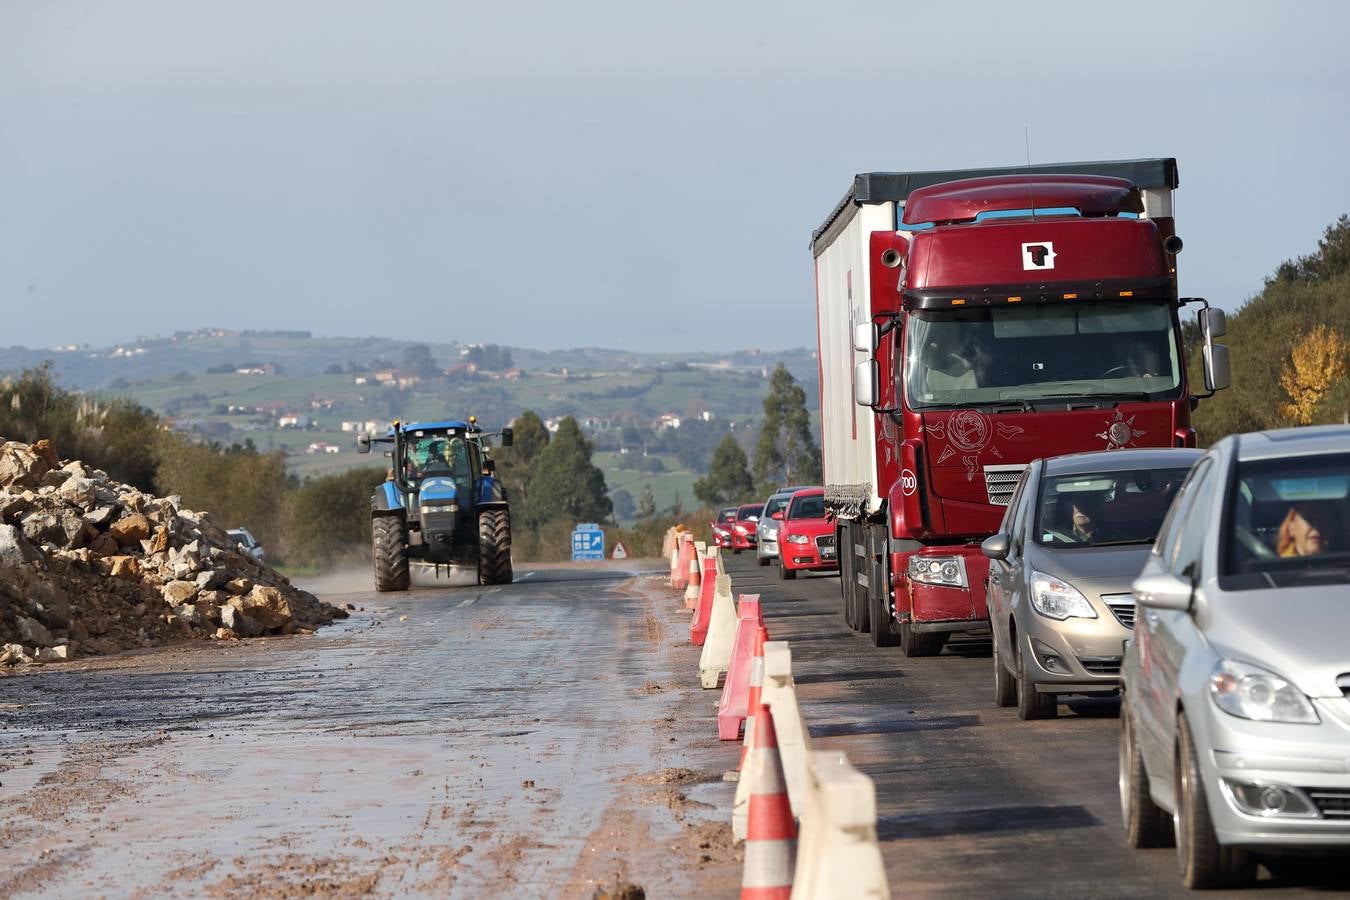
1146, 825
1204, 862
1031, 704
1005, 685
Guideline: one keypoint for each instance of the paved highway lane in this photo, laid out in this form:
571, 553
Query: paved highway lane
532, 740
972, 802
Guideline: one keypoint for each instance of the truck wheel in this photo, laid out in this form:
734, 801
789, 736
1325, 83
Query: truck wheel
390, 552
883, 634
915, 644
494, 547
848, 588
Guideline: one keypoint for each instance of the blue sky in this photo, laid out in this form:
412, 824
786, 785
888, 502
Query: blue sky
595, 173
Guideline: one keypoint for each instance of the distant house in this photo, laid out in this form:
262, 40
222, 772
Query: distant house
319, 447
292, 420
361, 379
667, 420
385, 376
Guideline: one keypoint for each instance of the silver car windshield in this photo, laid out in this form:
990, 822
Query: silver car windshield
1105, 508
1080, 349
1288, 521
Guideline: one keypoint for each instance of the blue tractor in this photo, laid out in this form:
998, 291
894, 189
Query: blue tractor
441, 505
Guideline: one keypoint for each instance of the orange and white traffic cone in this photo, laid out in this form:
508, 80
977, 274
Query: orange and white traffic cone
771, 832
682, 566
755, 707
693, 583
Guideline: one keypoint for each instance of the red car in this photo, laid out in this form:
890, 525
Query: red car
745, 531
721, 529
806, 537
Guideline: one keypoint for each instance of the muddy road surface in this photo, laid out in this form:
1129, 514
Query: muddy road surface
536, 740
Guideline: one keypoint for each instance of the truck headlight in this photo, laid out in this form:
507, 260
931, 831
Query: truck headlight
1056, 599
947, 571
1250, 692
441, 508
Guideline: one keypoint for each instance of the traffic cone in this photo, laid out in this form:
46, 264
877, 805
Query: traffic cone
771, 832
682, 567
698, 626
754, 708
693, 584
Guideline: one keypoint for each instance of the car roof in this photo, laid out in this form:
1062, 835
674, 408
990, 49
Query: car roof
750, 506
1122, 460
789, 491
1280, 442
809, 492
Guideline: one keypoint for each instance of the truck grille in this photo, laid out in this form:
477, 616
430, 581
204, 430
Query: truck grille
1100, 665
1332, 803
999, 482
1122, 605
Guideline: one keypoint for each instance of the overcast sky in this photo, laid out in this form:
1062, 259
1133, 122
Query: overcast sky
595, 173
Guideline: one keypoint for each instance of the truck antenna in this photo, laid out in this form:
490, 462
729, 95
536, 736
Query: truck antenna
1031, 184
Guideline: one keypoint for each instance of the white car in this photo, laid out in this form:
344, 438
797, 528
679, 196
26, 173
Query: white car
247, 543
1235, 727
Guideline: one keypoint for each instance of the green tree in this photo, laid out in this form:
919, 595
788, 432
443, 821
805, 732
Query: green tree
786, 452
417, 360
564, 484
515, 462
647, 505
329, 517
728, 479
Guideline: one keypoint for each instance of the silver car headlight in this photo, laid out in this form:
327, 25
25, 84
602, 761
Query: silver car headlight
946, 571
1057, 599
1250, 692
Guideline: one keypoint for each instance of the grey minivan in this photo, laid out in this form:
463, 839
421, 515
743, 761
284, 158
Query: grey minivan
1077, 532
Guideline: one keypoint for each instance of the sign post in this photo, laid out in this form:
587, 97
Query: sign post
588, 543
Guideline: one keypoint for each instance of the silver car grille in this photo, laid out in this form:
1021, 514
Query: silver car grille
1122, 606
1100, 665
1332, 803
999, 482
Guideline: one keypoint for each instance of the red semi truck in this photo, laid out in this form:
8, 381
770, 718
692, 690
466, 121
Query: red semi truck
968, 323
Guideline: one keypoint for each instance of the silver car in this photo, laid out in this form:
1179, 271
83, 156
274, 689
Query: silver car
1076, 533
767, 530
1236, 720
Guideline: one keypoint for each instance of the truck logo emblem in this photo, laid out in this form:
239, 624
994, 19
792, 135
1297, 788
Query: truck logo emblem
968, 430
909, 483
1038, 255
1120, 432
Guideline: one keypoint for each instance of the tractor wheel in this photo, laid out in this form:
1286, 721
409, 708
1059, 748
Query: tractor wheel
494, 547
390, 552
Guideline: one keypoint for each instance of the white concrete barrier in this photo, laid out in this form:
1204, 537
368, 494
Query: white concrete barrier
779, 693
837, 851
716, 656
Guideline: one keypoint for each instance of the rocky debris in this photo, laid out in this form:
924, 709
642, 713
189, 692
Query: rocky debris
90, 566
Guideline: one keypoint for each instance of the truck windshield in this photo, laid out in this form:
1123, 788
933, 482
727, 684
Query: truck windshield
997, 354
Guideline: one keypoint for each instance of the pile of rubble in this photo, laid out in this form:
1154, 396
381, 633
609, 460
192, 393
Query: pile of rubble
91, 566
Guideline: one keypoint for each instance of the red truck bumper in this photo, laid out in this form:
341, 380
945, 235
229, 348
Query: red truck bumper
942, 607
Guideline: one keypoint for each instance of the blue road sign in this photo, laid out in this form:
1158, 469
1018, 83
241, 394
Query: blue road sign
588, 543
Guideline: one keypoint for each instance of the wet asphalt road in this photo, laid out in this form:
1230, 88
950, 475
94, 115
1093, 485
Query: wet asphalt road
532, 740
972, 802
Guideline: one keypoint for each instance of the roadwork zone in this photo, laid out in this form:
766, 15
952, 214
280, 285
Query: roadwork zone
808, 819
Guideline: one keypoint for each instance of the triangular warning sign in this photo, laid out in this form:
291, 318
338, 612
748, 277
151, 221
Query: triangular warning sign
620, 551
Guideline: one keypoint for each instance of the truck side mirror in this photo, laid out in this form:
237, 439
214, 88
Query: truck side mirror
865, 337
363, 443
1218, 372
866, 383
508, 437
1213, 322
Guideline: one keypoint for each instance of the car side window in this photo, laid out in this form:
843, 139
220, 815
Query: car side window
1167, 532
1012, 519
1192, 524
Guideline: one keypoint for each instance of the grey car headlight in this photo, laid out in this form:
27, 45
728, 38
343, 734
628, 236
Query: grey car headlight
1057, 599
1250, 692
946, 571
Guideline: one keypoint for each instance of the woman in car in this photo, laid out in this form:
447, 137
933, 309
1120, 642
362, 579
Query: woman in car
1307, 530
